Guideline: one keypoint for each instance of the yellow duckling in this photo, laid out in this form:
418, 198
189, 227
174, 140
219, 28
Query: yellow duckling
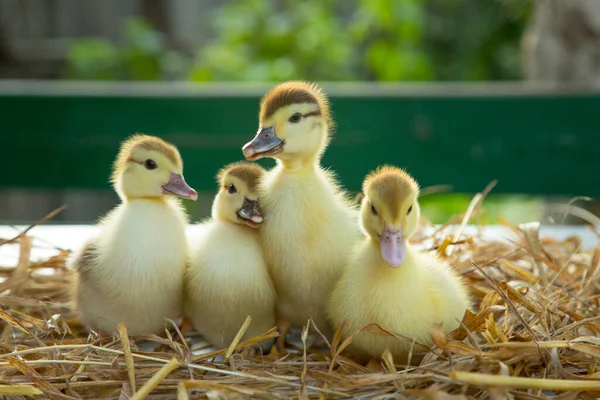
390, 283
309, 225
132, 272
227, 279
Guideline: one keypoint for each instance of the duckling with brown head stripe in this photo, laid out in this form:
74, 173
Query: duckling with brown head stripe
132, 272
390, 283
148, 167
237, 199
227, 279
310, 226
294, 125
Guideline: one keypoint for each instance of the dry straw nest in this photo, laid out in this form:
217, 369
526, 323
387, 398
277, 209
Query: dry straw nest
535, 335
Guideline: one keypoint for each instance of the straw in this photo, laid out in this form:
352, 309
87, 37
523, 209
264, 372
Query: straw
128, 357
535, 326
513, 382
155, 380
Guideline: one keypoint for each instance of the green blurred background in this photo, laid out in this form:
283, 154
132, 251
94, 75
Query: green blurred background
322, 40
250, 41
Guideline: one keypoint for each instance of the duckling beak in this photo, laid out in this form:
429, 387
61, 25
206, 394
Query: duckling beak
265, 143
250, 213
393, 246
178, 187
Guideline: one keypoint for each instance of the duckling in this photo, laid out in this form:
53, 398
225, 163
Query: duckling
310, 224
132, 271
389, 282
227, 279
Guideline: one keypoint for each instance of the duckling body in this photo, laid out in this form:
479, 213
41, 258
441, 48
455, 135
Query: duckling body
132, 272
224, 287
227, 278
309, 225
136, 270
306, 239
390, 283
407, 300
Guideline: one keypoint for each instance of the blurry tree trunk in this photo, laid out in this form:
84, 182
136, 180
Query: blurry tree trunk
156, 12
562, 42
7, 60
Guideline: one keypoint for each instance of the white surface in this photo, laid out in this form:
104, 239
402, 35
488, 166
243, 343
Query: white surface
48, 237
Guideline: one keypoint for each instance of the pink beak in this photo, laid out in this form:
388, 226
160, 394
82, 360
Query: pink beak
393, 246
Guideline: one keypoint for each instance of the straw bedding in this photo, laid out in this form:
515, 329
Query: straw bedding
534, 334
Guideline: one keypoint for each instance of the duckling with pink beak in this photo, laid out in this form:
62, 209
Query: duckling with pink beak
393, 246
418, 291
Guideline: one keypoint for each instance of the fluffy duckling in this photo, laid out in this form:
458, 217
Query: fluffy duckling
132, 272
310, 225
390, 283
227, 279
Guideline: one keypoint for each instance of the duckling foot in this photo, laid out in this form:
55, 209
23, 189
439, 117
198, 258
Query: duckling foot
283, 326
375, 366
185, 326
276, 353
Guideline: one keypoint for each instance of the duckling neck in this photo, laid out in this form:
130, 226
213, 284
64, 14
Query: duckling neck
299, 164
218, 211
218, 217
127, 199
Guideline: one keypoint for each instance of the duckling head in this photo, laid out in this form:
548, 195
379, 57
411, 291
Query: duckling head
294, 123
390, 211
149, 167
237, 199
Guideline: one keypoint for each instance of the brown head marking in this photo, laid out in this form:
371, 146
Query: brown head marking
391, 184
247, 172
294, 92
146, 142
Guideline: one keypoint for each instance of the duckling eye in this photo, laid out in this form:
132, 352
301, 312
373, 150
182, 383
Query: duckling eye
295, 118
150, 164
409, 210
231, 188
373, 210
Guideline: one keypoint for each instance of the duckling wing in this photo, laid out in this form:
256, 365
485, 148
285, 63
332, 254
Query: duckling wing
83, 261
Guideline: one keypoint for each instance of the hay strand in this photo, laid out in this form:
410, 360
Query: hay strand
238, 337
128, 357
182, 391
513, 382
156, 379
22, 390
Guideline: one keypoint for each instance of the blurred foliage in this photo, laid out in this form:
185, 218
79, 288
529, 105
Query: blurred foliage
516, 209
476, 40
144, 55
274, 40
255, 40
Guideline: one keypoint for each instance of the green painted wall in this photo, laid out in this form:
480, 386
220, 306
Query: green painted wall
534, 143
